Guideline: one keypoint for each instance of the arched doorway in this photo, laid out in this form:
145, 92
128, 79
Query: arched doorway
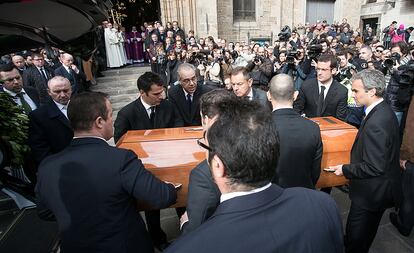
140, 11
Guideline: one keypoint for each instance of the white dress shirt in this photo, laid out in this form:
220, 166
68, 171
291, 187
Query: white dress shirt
62, 108
250, 95
369, 108
231, 195
147, 107
26, 97
327, 86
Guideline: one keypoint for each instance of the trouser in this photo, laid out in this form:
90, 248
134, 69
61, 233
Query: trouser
406, 212
158, 236
361, 228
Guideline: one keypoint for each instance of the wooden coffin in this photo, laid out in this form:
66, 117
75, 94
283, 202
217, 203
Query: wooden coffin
171, 153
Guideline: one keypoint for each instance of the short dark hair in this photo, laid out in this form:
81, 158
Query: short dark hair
243, 70
211, 103
146, 80
249, 148
405, 49
7, 67
33, 55
85, 108
328, 58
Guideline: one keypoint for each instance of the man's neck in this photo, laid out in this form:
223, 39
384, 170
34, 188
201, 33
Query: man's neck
90, 133
277, 106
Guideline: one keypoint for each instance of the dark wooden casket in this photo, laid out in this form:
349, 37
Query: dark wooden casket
171, 153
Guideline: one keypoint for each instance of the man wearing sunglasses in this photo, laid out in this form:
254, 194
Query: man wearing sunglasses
12, 84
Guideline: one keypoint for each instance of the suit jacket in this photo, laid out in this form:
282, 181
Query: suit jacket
300, 150
91, 189
33, 78
176, 96
374, 172
261, 97
75, 79
31, 92
49, 131
272, 220
203, 197
134, 117
335, 101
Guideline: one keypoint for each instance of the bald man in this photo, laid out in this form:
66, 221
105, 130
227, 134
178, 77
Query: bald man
49, 128
71, 72
300, 138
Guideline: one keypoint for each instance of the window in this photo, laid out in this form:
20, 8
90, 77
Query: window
244, 10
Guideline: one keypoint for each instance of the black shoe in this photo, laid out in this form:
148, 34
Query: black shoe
394, 220
163, 246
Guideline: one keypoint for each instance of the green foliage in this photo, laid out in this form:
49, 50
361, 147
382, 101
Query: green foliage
14, 126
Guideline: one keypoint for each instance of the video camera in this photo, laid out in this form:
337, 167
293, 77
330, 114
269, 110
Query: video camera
258, 58
389, 63
314, 51
285, 33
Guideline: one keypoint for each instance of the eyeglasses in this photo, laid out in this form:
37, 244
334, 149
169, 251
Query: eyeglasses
38, 59
201, 144
17, 78
379, 51
187, 81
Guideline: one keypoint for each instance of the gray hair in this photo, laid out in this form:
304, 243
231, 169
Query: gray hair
281, 88
185, 67
57, 79
372, 78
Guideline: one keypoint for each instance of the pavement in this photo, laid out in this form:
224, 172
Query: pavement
120, 85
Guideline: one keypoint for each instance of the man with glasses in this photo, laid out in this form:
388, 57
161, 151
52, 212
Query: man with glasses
37, 76
323, 96
12, 84
254, 215
186, 95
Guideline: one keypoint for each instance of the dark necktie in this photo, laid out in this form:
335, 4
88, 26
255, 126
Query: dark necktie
321, 101
152, 116
25, 105
43, 71
189, 102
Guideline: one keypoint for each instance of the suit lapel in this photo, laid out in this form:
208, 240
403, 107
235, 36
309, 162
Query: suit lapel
363, 123
54, 112
141, 114
330, 95
183, 102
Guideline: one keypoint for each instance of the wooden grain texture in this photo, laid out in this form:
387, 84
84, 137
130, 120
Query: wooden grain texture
170, 154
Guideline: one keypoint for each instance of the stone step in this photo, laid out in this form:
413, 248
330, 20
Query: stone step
125, 98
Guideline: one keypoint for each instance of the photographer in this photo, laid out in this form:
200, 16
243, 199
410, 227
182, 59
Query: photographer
261, 69
400, 56
297, 66
213, 70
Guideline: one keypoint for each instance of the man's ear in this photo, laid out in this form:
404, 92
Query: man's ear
99, 122
269, 97
217, 168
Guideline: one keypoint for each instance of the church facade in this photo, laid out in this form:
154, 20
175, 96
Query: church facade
242, 20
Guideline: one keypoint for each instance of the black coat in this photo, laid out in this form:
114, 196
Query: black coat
134, 117
33, 78
335, 101
203, 197
74, 79
374, 172
300, 150
91, 188
31, 92
272, 220
177, 97
49, 131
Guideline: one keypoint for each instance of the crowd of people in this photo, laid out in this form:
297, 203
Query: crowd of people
248, 184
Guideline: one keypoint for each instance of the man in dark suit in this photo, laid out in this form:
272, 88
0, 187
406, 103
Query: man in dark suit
323, 96
300, 138
254, 215
49, 128
19, 63
71, 72
374, 172
186, 96
241, 83
12, 84
37, 77
150, 111
203, 195
91, 188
